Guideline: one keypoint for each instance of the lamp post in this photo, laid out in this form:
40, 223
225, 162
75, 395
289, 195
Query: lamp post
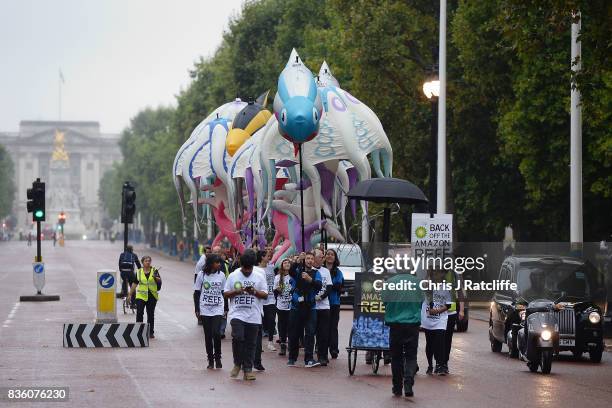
431, 89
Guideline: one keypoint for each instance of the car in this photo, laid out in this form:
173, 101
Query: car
571, 283
351, 262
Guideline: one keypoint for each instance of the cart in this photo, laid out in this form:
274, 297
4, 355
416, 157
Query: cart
369, 333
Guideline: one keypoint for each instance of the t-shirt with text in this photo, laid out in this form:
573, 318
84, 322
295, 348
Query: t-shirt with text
211, 293
326, 279
245, 307
283, 300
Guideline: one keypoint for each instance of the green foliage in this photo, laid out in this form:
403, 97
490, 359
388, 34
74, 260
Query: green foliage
507, 108
7, 184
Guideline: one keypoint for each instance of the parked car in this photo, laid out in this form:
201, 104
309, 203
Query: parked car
351, 262
570, 283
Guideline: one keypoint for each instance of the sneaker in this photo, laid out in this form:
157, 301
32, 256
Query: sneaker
445, 370
283, 350
271, 346
429, 370
291, 363
408, 391
218, 363
235, 371
334, 355
211, 365
259, 367
323, 362
311, 364
439, 370
397, 392
249, 376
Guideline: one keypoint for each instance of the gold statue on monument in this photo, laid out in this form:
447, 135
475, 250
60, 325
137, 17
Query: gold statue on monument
60, 153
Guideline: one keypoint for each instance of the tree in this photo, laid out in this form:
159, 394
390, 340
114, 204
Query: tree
7, 184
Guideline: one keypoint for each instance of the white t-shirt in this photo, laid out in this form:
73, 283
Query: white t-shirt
326, 279
269, 272
211, 296
283, 301
436, 322
261, 271
200, 265
245, 307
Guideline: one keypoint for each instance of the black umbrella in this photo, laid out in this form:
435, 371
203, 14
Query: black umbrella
387, 190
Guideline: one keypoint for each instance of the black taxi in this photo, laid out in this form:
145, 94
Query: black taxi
571, 283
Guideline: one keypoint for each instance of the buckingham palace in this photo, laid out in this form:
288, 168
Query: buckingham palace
71, 158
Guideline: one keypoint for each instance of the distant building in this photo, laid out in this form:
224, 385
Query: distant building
81, 155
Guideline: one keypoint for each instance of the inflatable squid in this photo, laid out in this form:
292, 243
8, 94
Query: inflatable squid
241, 162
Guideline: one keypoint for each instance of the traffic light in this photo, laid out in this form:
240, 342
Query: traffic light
36, 200
128, 203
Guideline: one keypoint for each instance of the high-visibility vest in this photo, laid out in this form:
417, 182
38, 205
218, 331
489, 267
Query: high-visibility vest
146, 285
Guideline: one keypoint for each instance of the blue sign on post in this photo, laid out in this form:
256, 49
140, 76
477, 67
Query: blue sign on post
106, 280
39, 268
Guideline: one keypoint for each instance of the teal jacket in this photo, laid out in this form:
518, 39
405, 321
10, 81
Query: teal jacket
403, 306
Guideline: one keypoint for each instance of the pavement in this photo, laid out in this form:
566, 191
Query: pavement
171, 372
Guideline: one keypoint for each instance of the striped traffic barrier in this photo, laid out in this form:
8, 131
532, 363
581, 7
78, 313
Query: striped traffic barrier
106, 335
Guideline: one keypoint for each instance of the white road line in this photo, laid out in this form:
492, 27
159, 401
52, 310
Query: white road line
172, 320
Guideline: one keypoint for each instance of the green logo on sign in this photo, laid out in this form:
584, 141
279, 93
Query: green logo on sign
367, 287
237, 285
420, 232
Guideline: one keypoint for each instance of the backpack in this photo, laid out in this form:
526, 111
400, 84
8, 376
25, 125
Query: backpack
126, 262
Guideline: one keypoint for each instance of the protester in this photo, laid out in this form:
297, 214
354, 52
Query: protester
305, 284
403, 316
147, 284
453, 315
332, 264
322, 307
434, 317
282, 290
258, 269
246, 291
208, 302
269, 306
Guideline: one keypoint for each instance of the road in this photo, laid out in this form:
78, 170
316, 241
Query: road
171, 372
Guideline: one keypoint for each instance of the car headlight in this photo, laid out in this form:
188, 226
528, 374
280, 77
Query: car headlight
546, 335
594, 317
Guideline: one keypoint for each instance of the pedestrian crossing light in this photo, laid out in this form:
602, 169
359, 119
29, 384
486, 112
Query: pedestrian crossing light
36, 200
128, 203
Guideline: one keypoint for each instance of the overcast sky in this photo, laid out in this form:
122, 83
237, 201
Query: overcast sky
117, 56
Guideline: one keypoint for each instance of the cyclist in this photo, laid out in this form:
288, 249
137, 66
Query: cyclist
127, 261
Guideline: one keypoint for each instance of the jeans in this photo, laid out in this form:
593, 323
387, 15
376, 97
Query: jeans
283, 324
244, 337
434, 347
212, 336
269, 320
334, 319
150, 306
404, 342
448, 337
304, 321
322, 334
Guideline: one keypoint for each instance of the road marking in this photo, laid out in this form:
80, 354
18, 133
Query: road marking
11, 315
172, 320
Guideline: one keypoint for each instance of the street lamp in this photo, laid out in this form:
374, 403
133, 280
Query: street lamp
431, 89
